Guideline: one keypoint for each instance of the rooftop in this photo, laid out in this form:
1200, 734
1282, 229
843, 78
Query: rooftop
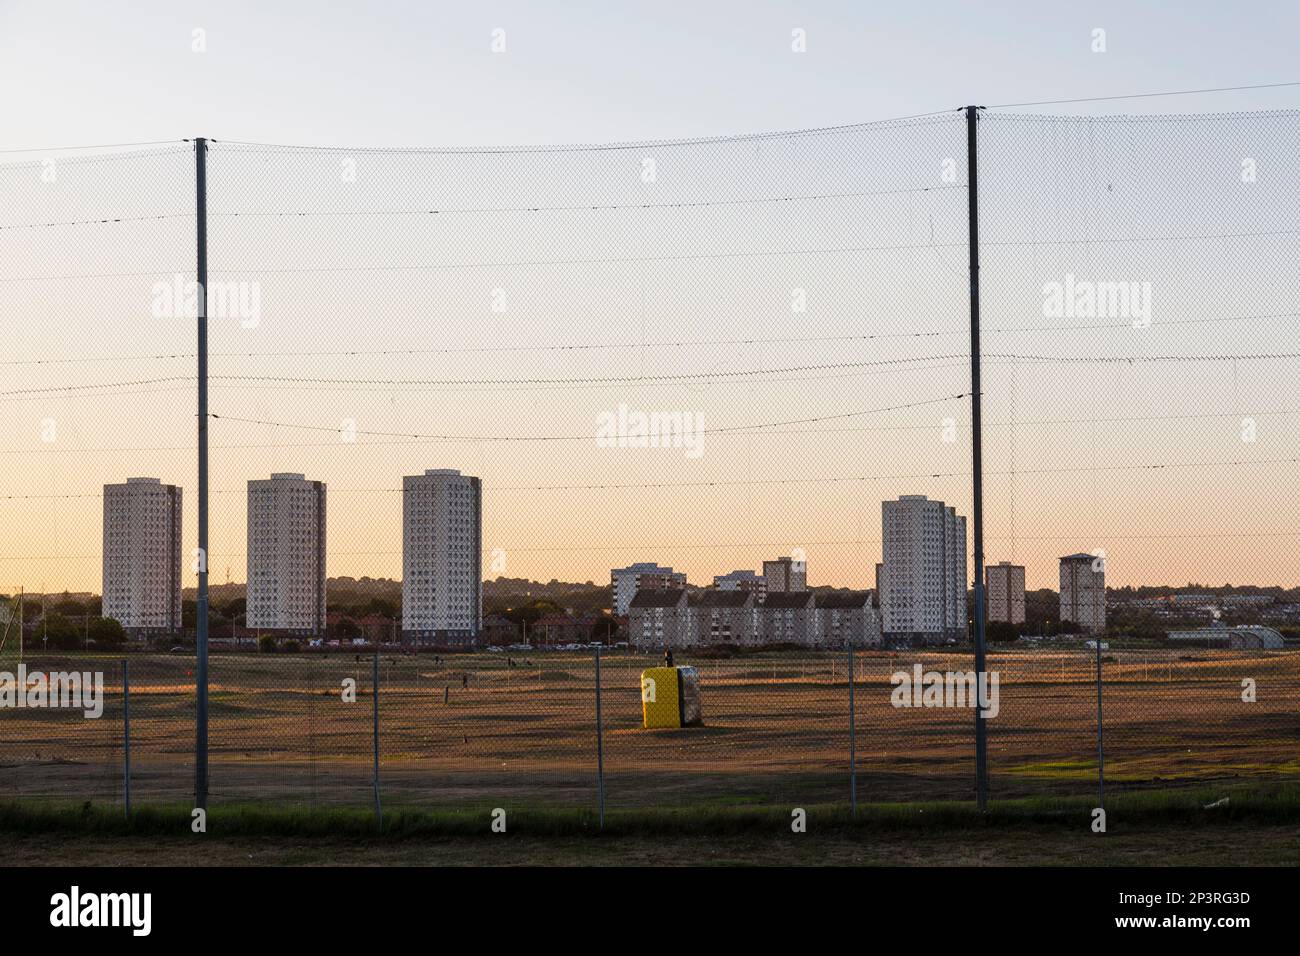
721, 598
658, 597
845, 599
790, 599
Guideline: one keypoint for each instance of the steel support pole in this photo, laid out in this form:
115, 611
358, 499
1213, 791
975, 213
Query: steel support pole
201, 609
1101, 751
977, 451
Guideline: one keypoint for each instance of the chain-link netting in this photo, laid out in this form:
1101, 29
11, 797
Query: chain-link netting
474, 411
1139, 345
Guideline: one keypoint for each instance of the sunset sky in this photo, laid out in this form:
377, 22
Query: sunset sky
482, 308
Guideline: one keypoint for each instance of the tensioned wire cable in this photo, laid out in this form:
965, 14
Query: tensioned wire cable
688, 141
679, 257
746, 433
712, 376
481, 210
722, 545
680, 343
835, 479
68, 149
1139, 96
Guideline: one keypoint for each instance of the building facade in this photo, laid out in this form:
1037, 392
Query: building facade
723, 617
142, 556
442, 545
625, 582
672, 618
847, 618
922, 579
955, 608
1005, 583
1083, 591
658, 618
788, 617
785, 574
286, 555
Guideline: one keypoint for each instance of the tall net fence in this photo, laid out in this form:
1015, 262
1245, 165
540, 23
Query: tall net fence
708, 354
1139, 343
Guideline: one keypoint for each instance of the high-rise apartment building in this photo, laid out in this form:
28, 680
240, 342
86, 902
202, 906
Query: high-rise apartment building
286, 554
1005, 583
644, 575
922, 580
785, 574
1083, 591
442, 541
142, 555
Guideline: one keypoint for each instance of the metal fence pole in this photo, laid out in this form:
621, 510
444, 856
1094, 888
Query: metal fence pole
311, 729
1101, 750
201, 612
600, 745
126, 735
374, 683
853, 750
977, 491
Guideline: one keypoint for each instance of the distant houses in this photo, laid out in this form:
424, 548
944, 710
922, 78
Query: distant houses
499, 631
551, 630
661, 618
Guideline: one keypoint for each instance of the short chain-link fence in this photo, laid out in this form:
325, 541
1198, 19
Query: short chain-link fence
480, 731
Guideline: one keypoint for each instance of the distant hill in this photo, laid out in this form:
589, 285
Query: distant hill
585, 598
497, 595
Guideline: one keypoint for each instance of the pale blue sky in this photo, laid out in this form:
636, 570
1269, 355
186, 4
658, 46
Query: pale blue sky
660, 279
407, 73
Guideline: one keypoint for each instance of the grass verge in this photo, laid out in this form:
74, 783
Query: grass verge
1210, 806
